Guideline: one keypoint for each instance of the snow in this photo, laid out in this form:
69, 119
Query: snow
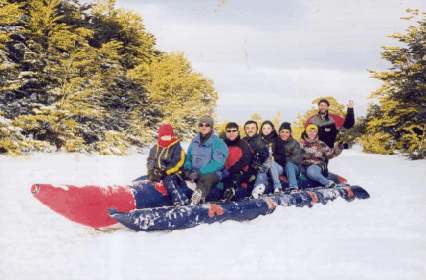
383, 237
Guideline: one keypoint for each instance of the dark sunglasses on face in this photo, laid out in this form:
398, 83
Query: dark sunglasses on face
231, 130
203, 124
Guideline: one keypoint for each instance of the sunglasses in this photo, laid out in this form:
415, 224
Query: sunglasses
203, 124
231, 130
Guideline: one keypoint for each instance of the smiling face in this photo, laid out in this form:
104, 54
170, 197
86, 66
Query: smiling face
204, 128
312, 133
266, 129
231, 133
250, 129
285, 134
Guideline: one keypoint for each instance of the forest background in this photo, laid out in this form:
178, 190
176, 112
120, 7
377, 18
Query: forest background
88, 77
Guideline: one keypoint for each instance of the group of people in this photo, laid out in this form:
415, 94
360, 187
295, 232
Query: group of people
233, 167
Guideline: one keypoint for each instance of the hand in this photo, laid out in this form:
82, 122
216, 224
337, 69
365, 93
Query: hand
193, 175
350, 104
258, 167
158, 172
225, 173
342, 145
155, 175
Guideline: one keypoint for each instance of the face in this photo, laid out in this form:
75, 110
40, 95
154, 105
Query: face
323, 107
266, 129
166, 137
312, 133
231, 133
285, 134
204, 128
250, 129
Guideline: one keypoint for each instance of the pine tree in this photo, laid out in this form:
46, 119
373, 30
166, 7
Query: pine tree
178, 94
10, 15
400, 115
88, 78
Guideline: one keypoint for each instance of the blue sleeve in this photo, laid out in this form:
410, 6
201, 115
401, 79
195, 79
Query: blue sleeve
188, 159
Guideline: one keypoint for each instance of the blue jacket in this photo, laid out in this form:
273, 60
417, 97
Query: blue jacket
208, 157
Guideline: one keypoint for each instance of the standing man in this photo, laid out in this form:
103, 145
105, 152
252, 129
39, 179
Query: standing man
205, 159
327, 124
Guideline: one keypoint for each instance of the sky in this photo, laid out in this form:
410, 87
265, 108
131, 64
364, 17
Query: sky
277, 56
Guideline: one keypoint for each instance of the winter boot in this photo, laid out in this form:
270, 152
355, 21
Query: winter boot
196, 197
229, 194
258, 191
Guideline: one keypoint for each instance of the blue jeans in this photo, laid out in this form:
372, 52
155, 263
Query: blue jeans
261, 178
314, 172
292, 171
276, 170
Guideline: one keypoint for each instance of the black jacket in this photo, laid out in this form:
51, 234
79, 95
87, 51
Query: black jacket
327, 126
258, 148
287, 151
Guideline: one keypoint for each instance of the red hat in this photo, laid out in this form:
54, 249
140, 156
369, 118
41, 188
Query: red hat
166, 135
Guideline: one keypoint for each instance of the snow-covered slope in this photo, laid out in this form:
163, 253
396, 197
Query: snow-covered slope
383, 237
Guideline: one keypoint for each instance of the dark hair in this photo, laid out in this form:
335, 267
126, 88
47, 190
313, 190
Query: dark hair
251, 122
232, 125
323, 100
285, 125
274, 131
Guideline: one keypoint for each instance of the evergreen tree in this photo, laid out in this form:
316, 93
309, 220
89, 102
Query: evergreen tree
10, 15
398, 121
179, 95
88, 78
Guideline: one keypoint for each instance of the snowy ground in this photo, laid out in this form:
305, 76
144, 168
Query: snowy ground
380, 238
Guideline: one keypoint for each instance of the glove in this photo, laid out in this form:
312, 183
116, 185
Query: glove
158, 172
156, 175
225, 173
343, 145
258, 167
193, 175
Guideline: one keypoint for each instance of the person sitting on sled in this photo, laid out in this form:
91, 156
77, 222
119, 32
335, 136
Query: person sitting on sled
237, 164
260, 153
205, 159
268, 134
315, 154
165, 161
288, 156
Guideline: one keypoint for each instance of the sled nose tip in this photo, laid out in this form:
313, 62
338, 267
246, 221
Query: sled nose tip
35, 189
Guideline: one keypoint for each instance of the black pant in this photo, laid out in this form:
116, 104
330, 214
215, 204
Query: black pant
206, 182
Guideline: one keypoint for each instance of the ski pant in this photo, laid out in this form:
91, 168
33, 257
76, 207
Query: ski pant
242, 192
314, 172
177, 191
215, 194
206, 182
